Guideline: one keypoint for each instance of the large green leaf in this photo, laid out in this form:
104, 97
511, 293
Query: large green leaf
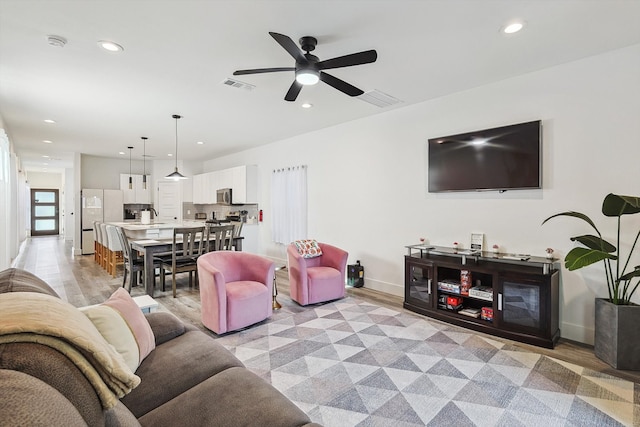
614, 205
574, 215
631, 274
594, 242
581, 257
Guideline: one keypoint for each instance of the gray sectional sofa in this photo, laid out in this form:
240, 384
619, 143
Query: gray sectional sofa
187, 380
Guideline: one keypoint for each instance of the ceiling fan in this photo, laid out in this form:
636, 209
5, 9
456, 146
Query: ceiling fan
309, 69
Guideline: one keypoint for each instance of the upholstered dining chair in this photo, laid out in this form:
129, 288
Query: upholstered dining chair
188, 244
115, 251
104, 248
235, 289
96, 242
317, 275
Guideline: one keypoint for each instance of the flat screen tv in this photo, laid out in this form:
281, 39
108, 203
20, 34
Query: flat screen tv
503, 158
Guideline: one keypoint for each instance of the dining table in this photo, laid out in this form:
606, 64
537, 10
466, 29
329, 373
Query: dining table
154, 238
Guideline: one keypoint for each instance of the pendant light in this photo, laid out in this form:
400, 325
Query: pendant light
130, 178
144, 162
176, 175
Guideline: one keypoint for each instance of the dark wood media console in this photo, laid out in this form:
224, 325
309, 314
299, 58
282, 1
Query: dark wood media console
507, 295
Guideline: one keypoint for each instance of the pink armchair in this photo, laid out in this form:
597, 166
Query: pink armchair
318, 279
235, 289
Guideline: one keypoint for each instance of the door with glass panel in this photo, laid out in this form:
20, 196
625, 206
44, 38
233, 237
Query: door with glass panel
44, 212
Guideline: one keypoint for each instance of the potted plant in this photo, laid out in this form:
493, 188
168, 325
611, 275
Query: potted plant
616, 318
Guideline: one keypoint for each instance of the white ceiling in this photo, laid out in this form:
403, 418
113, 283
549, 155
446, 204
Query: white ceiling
178, 52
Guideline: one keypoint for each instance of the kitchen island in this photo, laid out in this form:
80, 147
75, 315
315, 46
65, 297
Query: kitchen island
157, 237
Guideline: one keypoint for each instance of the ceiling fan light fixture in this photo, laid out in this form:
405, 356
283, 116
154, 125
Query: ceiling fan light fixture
307, 77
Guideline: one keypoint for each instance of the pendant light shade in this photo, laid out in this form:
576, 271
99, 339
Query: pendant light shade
144, 162
130, 178
176, 175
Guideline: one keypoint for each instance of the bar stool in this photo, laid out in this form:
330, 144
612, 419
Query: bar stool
115, 251
105, 245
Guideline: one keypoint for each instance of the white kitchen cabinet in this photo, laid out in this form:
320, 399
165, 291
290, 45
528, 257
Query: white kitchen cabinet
243, 181
244, 184
137, 194
204, 191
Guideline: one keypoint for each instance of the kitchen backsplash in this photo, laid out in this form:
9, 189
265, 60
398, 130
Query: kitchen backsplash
189, 210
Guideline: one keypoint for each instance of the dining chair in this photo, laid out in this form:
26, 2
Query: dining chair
237, 231
133, 265
219, 238
115, 251
188, 244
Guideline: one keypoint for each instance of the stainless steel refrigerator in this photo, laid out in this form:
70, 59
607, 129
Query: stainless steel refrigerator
98, 205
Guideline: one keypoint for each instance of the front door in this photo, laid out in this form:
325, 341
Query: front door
45, 208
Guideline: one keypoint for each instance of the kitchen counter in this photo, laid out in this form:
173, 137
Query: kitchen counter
162, 229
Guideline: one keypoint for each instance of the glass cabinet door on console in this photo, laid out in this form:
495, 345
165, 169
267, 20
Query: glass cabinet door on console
419, 284
524, 304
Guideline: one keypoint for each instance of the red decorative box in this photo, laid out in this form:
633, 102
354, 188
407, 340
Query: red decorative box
454, 301
487, 313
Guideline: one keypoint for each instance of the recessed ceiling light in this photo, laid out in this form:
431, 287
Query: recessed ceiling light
49, 121
46, 141
110, 46
200, 143
170, 154
121, 153
306, 105
513, 27
45, 156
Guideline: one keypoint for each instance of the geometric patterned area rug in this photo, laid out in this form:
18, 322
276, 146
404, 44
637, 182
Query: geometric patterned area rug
353, 363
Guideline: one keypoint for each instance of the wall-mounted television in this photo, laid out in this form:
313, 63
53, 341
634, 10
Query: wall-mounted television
502, 158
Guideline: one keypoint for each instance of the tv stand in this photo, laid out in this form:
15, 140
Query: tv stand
514, 296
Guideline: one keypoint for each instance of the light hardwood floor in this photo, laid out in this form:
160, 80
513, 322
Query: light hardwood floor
80, 281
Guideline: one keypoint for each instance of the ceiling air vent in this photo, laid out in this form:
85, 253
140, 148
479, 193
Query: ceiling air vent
237, 84
379, 99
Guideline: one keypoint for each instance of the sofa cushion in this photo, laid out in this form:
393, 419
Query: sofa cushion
16, 280
165, 326
235, 397
176, 366
26, 400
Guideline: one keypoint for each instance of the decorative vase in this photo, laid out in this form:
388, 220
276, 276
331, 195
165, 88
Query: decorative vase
616, 338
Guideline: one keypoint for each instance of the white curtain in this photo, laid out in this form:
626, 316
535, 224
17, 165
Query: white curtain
289, 204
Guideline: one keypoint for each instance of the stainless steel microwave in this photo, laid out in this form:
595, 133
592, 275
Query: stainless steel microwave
223, 196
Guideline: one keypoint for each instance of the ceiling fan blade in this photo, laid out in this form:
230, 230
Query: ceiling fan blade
293, 92
359, 58
262, 70
290, 46
341, 85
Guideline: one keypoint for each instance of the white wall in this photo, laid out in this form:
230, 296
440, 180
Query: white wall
367, 185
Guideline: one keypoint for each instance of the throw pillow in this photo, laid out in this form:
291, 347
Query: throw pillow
124, 326
308, 248
131, 313
115, 331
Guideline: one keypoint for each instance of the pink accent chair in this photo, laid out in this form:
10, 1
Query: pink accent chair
235, 289
318, 279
